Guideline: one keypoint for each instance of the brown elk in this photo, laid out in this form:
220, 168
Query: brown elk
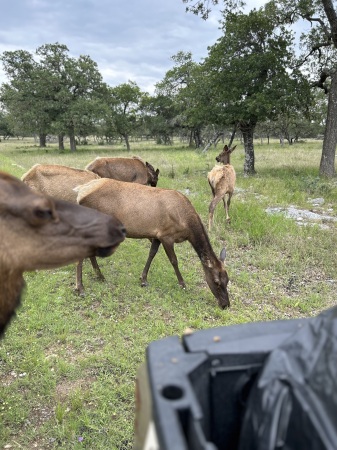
224, 156
222, 182
165, 217
133, 170
38, 232
57, 181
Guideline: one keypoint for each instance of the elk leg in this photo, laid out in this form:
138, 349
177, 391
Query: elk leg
153, 251
79, 282
211, 209
226, 205
169, 249
212, 188
96, 268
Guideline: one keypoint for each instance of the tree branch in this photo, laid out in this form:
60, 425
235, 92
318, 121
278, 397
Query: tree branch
325, 74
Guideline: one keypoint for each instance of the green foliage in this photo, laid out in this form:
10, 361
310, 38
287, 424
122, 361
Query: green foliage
58, 94
317, 62
123, 104
5, 129
249, 69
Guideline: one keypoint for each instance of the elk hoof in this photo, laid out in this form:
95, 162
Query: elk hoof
100, 277
144, 283
80, 292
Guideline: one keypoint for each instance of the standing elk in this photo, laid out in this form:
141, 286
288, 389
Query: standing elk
165, 217
222, 182
38, 232
133, 170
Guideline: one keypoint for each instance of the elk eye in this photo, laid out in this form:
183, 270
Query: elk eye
43, 214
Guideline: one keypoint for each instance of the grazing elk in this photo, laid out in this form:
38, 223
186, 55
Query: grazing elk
133, 170
224, 156
222, 182
38, 232
165, 217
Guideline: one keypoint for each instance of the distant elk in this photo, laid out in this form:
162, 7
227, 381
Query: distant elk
222, 182
38, 232
165, 217
133, 170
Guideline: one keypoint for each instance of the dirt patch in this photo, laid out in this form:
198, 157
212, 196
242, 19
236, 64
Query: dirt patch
66, 387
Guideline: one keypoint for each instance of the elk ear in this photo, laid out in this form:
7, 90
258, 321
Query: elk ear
157, 172
149, 166
223, 255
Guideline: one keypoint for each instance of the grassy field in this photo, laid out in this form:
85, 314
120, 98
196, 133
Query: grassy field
68, 364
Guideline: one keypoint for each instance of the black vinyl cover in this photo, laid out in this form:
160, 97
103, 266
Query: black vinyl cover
293, 404
256, 386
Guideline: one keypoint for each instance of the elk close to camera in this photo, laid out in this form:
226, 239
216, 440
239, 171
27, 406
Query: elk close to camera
38, 232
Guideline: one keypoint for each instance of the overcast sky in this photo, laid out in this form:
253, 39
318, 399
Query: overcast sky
129, 40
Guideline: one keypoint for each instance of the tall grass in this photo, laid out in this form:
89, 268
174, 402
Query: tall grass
68, 364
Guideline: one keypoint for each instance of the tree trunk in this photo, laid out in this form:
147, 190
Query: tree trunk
72, 139
213, 141
61, 141
327, 165
43, 140
247, 130
126, 138
197, 138
190, 141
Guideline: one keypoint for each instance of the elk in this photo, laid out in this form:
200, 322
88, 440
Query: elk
224, 156
222, 182
38, 232
57, 181
165, 217
133, 170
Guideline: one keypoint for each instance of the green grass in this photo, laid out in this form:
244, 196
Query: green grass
68, 364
